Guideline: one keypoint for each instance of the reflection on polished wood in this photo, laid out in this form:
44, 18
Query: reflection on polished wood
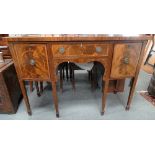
37, 58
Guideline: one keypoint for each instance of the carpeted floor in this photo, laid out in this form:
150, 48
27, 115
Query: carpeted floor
85, 104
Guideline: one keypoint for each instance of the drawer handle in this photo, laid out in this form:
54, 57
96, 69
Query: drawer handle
98, 49
126, 60
32, 62
30, 47
61, 50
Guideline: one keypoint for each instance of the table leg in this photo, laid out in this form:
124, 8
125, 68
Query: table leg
23, 89
55, 98
104, 95
41, 87
131, 93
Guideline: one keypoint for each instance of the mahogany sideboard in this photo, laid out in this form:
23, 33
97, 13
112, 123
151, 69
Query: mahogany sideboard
36, 58
10, 92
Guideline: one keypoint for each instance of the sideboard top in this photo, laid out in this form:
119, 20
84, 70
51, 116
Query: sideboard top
75, 37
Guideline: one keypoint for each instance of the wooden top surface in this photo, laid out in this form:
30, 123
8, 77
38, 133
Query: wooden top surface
6, 63
74, 37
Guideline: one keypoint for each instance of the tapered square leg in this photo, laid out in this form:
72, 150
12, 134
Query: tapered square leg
26, 100
104, 95
131, 93
55, 98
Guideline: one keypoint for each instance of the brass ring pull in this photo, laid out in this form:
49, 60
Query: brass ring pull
61, 50
30, 47
32, 62
126, 60
98, 49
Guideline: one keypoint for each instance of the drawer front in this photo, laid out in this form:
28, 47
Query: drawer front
125, 59
32, 60
80, 49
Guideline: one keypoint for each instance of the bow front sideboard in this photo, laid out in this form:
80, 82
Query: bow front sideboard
36, 58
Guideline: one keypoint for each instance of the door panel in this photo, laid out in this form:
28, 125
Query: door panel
125, 59
32, 60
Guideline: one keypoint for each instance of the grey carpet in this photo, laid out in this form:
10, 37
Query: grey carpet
85, 104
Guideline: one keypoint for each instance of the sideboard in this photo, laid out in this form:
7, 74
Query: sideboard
10, 92
36, 58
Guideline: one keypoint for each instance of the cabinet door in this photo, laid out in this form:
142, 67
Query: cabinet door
125, 60
32, 61
5, 105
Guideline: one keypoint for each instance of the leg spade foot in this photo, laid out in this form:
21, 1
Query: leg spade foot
102, 113
57, 115
38, 94
127, 108
29, 113
115, 92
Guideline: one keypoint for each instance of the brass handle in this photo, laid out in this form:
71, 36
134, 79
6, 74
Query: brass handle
98, 49
32, 62
126, 60
30, 47
61, 50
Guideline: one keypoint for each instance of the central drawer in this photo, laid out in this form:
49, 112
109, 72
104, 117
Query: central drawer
80, 49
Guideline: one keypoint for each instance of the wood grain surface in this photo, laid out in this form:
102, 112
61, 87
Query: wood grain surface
125, 60
32, 60
38, 57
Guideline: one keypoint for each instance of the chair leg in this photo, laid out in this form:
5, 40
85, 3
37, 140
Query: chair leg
37, 88
73, 80
70, 70
63, 72
31, 86
72, 76
41, 87
148, 58
61, 81
96, 80
67, 71
91, 79
93, 82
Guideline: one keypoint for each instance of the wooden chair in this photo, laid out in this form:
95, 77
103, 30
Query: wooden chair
69, 69
92, 75
150, 52
38, 88
63, 68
